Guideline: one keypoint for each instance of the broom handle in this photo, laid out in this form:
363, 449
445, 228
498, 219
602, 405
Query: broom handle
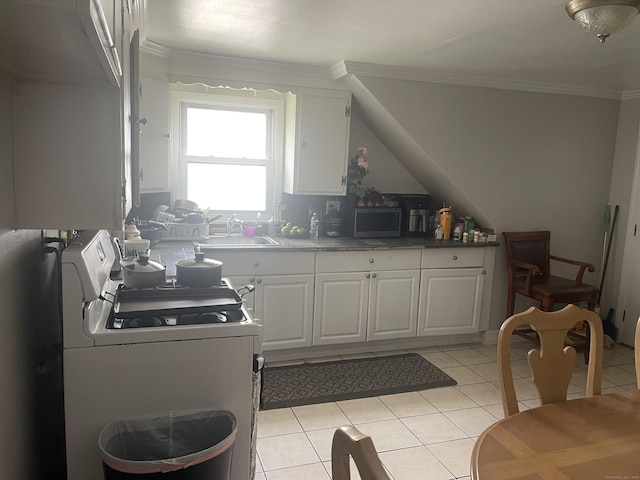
606, 258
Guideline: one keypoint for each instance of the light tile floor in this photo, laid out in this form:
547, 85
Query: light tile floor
426, 434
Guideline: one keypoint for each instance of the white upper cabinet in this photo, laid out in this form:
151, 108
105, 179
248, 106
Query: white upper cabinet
71, 116
61, 41
317, 143
154, 134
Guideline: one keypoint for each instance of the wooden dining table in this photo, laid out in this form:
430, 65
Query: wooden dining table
583, 439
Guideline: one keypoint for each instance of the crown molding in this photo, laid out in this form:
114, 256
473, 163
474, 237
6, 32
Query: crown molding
299, 70
345, 68
631, 95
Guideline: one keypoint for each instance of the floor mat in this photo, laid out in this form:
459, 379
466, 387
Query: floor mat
309, 383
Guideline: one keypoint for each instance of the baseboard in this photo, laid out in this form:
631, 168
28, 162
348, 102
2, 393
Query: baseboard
414, 344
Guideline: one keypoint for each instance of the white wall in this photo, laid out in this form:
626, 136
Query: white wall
28, 322
14, 405
518, 160
619, 291
386, 173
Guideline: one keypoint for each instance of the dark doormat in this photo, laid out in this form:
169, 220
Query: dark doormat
309, 383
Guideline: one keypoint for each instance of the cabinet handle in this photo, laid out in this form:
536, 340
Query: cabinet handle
368, 275
256, 263
484, 272
374, 275
455, 257
252, 280
258, 281
371, 260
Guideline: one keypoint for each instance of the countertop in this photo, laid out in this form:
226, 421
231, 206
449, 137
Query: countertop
169, 252
337, 244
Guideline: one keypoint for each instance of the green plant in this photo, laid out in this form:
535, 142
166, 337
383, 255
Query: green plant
358, 169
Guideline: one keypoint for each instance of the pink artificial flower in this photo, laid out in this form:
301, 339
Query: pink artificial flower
362, 158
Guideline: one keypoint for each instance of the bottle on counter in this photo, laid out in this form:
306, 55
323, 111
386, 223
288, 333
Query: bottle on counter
457, 233
445, 222
439, 233
315, 226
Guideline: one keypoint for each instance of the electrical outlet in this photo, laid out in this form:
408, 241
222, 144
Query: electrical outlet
333, 205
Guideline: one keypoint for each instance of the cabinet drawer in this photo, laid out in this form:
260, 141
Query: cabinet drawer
263, 263
364, 261
453, 257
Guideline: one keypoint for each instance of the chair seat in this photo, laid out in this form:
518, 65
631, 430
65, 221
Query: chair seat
559, 288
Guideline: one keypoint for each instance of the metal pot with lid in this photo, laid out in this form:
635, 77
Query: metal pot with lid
141, 272
200, 272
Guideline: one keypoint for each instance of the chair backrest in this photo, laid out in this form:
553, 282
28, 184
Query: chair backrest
347, 442
551, 364
529, 247
637, 352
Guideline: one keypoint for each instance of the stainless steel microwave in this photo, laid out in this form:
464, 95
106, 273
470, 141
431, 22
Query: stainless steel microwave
377, 222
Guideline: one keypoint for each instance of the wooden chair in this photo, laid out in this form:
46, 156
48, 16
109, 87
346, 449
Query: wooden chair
529, 273
552, 364
347, 442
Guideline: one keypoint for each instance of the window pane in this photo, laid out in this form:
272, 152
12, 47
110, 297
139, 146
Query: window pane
228, 187
226, 133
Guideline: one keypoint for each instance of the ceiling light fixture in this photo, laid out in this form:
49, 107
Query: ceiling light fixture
603, 17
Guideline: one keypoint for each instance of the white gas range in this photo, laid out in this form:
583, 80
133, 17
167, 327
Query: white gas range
123, 365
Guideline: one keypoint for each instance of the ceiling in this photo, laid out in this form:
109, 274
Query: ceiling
503, 42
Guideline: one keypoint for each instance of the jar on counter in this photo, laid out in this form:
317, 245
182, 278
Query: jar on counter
439, 234
465, 237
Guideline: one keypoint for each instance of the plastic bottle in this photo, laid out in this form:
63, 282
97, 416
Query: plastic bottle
313, 230
445, 222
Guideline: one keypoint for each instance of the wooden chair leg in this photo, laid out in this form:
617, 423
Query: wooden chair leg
511, 301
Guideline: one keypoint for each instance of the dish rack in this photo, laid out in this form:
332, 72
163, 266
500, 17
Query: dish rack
186, 231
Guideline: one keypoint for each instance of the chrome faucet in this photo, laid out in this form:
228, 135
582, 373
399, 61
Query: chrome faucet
231, 222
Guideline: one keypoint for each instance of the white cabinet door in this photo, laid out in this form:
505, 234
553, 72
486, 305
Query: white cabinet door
67, 156
317, 152
340, 309
393, 304
284, 306
154, 136
450, 301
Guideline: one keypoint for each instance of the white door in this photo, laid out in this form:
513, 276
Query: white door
628, 309
284, 307
323, 139
450, 301
340, 311
393, 304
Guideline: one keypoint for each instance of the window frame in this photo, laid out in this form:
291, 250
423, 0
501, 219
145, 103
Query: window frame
243, 100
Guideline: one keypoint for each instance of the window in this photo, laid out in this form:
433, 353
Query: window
228, 150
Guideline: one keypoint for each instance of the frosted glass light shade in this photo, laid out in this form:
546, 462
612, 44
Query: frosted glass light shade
603, 18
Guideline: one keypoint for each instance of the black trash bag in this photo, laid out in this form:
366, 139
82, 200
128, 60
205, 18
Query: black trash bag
191, 445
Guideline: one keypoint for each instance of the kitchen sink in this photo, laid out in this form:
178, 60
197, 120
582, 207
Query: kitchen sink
237, 241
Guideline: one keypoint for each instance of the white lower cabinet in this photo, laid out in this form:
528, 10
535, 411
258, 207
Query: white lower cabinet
355, 303
308, 299
283, 297
340, 310
451, 297
393, 304
284, 306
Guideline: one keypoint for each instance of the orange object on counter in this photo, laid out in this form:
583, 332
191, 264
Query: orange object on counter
446, 220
